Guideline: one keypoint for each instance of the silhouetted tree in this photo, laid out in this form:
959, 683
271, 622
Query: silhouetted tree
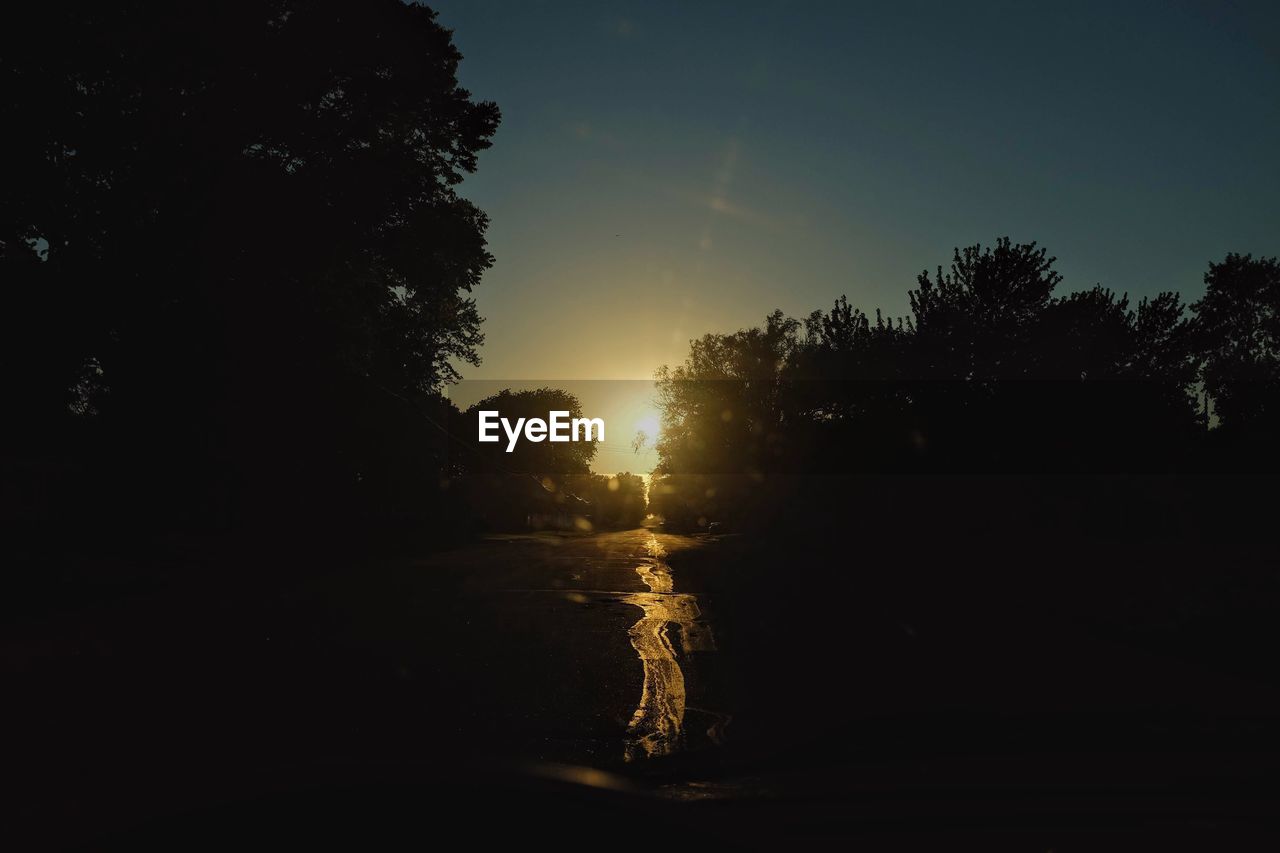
722, 408
991, 373
617, 502
972, 322
227, 231
1237, 325
849, 386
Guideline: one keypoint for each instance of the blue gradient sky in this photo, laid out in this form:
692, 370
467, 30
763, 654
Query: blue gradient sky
760, 156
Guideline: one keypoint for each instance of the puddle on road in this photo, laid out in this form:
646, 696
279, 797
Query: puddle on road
657, 726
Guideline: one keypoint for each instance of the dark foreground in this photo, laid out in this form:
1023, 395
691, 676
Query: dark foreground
635, 686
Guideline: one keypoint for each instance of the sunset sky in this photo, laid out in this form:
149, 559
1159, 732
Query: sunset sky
665, 170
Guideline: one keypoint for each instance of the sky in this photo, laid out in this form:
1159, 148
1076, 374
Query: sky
664, 170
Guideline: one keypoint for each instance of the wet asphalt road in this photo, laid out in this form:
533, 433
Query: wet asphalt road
614, 651
586, 649
559, 649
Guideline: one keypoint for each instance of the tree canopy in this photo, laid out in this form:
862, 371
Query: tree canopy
993, 371
1238, 330
225, 255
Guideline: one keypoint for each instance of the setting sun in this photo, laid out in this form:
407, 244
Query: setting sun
649, 423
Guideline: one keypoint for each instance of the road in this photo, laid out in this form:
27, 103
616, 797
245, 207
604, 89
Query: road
614, 651
560, 649
607, 641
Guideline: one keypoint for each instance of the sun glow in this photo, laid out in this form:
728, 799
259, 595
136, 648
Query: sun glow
649, 423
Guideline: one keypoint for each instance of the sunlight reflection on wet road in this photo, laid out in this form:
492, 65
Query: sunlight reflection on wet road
657, 726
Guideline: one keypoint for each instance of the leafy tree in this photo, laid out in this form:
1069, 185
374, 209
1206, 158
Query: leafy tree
617, 502
722, 409
991, 372
1110, 385
849, 382
1033, 381
220, 256
972, 322
1237, 325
